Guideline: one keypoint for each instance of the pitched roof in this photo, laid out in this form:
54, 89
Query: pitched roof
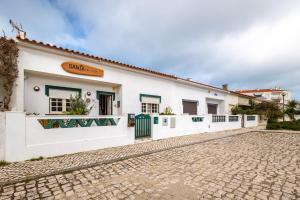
132, 67
260, 90
242, 95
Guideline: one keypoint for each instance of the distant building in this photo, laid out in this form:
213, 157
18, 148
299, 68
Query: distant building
275, 95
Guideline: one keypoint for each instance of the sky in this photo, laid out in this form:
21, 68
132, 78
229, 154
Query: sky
245, 44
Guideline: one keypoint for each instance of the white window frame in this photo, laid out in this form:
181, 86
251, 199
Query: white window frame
64, 105
150, 108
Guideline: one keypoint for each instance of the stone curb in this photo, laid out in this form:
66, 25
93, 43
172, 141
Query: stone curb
278, 131
71, 169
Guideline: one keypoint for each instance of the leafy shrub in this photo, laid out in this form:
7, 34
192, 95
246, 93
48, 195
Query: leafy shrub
291, 109
77, 106
168, 111
286, 125
236, 110
3, 163
35, 159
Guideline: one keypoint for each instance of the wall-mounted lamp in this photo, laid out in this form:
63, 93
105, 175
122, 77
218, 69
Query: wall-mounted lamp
36, 88
88, 93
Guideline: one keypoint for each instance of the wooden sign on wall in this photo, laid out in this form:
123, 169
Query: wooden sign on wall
82, 69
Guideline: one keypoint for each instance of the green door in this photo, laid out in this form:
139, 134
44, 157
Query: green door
142, 126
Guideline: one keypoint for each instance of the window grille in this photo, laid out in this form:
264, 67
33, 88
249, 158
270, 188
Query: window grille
251, 118
218, 118
233, 118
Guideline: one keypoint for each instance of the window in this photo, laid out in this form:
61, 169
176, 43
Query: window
189, 107
250, 118
212, 108
233, 118
150, 108
59, 98
59, 106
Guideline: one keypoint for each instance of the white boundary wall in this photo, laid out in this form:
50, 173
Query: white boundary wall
184, 125
26, 138
251, 123
2, 135
23, 137
227, 125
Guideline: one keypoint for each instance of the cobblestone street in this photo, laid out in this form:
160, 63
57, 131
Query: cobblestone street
16, 172
254, 165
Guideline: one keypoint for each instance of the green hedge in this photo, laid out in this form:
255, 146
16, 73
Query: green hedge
288, 125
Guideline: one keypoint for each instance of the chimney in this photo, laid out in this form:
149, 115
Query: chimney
225, 87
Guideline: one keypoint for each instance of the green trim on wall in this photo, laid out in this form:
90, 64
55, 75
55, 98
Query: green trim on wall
48, 87
78, 122
149, 95
106, 93
197, 119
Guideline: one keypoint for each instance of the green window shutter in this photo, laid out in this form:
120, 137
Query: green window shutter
106, 93
48, 87
149, 95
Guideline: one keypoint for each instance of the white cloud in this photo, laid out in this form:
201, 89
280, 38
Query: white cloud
243, 43
264, 43
40, 19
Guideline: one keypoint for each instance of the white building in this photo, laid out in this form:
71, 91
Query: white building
121, 89
49, 75
276, 95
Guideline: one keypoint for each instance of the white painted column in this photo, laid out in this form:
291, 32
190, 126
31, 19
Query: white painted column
15, 136
2, 135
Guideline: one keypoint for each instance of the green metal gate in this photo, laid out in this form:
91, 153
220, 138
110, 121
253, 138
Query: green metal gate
142, 126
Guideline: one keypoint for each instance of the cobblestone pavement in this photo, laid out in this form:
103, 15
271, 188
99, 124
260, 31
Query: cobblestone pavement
254, 165
62, 164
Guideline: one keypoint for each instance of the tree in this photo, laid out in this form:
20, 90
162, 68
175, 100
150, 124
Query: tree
247, 110
291, 109
269, 109
9, 53
236, 110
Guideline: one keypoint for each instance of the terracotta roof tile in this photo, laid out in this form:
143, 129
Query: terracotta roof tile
260, 90
115, 62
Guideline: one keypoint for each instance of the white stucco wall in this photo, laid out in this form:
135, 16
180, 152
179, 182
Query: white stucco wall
251, 123
232, 100
2, 135
42, 107
26, 138
221, 126
184, 125
244, 101
132, 83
